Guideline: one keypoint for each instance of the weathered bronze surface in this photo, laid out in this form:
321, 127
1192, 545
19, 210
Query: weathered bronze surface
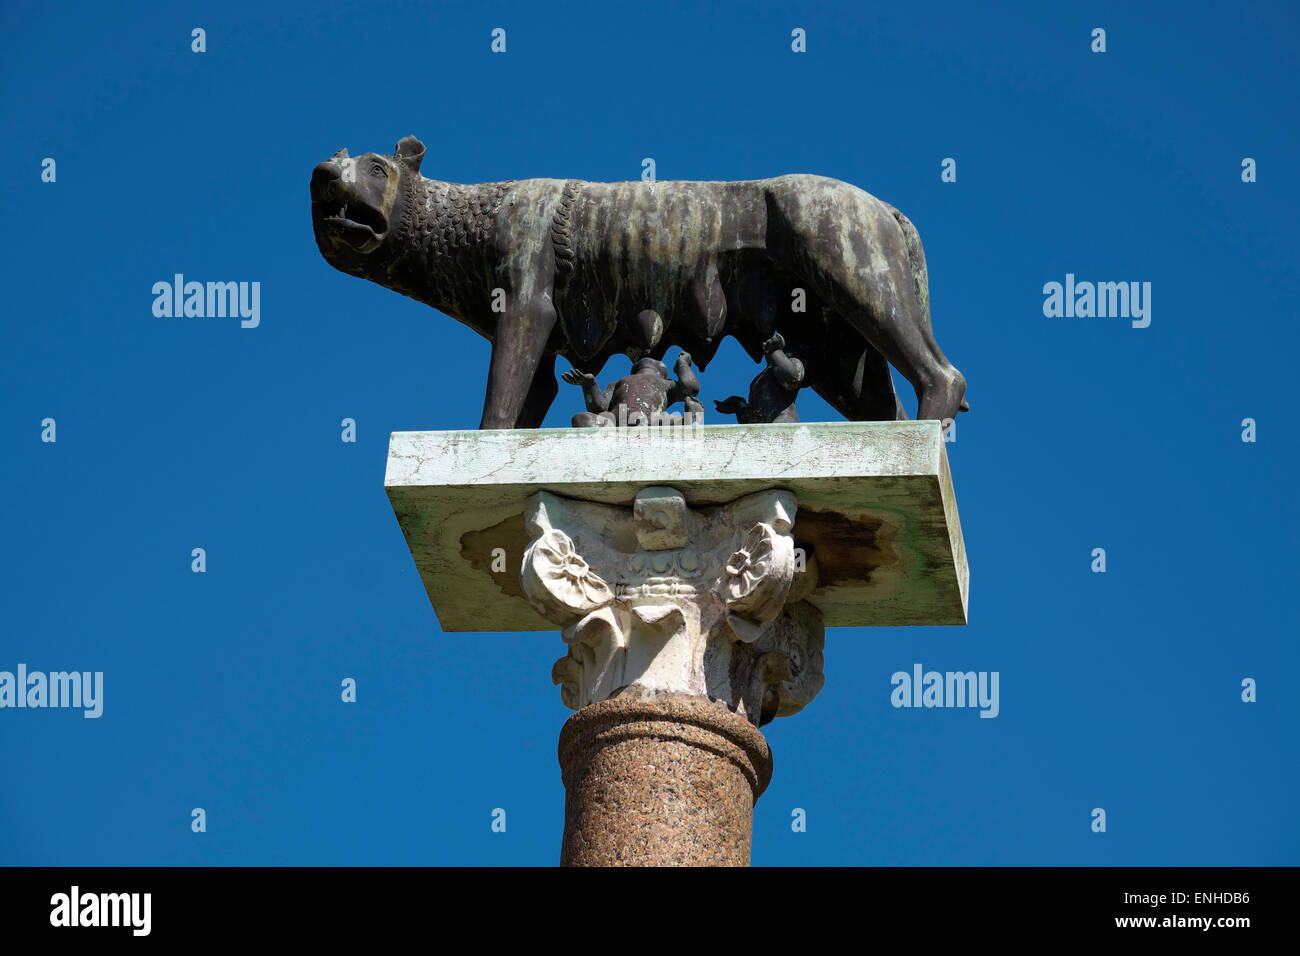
641, 398
546, 267
773, 390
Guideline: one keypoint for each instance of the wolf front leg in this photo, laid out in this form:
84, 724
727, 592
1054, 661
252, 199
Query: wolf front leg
540, 395
517, 351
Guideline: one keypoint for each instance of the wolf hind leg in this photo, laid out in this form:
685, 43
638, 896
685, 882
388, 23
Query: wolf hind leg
887, 313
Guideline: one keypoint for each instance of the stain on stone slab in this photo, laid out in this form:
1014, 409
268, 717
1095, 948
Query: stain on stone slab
476, 547
848, 549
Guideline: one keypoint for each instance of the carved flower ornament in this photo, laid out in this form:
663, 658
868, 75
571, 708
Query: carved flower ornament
565, 574
749, 564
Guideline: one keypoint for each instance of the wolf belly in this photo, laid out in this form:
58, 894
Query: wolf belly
652, 246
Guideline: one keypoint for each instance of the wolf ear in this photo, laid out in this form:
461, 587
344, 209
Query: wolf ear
410, 151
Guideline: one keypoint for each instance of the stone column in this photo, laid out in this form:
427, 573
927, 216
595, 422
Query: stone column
660, 782
686, 631
693, 614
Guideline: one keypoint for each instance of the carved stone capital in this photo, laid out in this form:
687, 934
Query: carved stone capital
664, 599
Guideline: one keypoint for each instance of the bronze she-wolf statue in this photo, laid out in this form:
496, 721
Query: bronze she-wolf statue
546, 267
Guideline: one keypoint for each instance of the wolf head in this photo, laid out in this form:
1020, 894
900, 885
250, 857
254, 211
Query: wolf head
357, 203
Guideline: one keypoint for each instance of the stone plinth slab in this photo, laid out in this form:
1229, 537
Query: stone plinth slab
877, 515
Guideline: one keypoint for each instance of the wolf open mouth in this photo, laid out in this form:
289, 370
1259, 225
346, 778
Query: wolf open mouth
353, 218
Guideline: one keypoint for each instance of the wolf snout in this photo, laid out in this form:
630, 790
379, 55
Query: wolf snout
324, 176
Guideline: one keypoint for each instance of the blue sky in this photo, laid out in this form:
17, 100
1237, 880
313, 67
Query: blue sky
1119, 690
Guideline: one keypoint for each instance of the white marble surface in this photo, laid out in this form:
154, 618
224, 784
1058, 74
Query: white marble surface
876, 510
